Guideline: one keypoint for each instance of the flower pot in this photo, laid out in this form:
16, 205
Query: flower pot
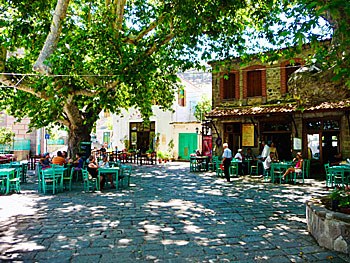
335, 204
165, 160
160, 160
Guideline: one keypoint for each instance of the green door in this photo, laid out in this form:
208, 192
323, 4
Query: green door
187, 144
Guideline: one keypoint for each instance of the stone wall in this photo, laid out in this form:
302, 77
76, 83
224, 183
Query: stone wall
330, 229
275, 75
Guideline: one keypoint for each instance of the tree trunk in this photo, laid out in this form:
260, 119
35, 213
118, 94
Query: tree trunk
75, 137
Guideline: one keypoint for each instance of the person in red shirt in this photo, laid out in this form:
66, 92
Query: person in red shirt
59, 159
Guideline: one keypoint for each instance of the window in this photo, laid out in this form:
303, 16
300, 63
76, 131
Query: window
182, 97
229, 86
254, 83
290, 69
322, 125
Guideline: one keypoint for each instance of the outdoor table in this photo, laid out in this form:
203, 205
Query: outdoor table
21, 167
279, 166
196, 162
346, 171
111, 170
9, 172
249, 163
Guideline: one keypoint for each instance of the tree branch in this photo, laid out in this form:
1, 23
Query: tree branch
12, 83
155, 45
118, 11
145, 31
52, 38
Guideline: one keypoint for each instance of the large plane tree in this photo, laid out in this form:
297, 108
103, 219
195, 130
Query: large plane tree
65, 61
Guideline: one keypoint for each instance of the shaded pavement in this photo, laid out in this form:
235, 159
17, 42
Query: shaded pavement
167, 215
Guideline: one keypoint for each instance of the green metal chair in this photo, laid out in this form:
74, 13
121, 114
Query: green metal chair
15, 181
328, 175
276, 172
50, 181
125, 174
212, 164
338, 177
88, 181
306, 164
300, 175
219, 171
193, 164
67, 179
254, 170
234, 169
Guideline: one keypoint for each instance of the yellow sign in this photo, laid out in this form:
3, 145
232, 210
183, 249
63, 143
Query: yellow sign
248, 135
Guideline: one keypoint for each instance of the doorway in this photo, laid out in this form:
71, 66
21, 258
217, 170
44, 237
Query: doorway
283, 144
188, 143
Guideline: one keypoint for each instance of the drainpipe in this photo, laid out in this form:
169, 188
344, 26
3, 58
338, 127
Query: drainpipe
39, 144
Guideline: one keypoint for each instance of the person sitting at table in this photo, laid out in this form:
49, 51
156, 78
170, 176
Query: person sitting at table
59, 159
104, 164
336, 159
93, 170
267, 163
239, 158
45, 161
65, 156
298, 167
250, 155
274, 150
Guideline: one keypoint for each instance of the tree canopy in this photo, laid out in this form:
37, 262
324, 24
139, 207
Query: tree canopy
73, 58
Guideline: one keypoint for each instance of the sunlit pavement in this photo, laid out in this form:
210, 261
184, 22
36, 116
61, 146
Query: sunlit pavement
167, 215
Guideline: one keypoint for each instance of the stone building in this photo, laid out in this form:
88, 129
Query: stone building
24, 142
253, 105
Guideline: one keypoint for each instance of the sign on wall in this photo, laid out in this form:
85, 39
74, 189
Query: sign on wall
207, 145
297, 144
248, 135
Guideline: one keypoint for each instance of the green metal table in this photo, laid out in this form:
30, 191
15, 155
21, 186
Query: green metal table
113, 170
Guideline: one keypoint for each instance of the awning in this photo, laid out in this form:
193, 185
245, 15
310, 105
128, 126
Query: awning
288, 108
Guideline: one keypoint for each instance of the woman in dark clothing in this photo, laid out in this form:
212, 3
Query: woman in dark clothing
93, 170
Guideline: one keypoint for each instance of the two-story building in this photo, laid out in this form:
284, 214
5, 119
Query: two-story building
252, 106
176, 131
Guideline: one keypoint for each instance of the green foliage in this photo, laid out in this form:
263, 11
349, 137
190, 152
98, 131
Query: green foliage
202, 108
160, 155
139, 60
6, 136
341, 194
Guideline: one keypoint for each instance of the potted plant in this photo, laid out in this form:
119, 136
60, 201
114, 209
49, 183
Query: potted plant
149, 152
340, 199
160, 156
166, 157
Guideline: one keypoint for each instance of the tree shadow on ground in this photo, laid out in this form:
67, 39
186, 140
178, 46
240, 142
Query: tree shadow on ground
168, 214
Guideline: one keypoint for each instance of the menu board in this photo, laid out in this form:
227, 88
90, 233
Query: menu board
297, 144
85, 150
248, 135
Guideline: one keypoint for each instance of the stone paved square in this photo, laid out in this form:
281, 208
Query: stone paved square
167, 215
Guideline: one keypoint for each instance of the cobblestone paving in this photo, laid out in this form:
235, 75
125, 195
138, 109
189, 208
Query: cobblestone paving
167, 215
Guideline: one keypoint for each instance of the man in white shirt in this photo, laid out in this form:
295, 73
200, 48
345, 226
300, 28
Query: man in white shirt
239, 159
266, 151
267, 163
226, 161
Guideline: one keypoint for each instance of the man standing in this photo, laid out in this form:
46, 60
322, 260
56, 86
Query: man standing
226, 161
267, 163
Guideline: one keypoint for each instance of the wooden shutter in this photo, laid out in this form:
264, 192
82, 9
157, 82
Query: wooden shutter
229, 86
254, 87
